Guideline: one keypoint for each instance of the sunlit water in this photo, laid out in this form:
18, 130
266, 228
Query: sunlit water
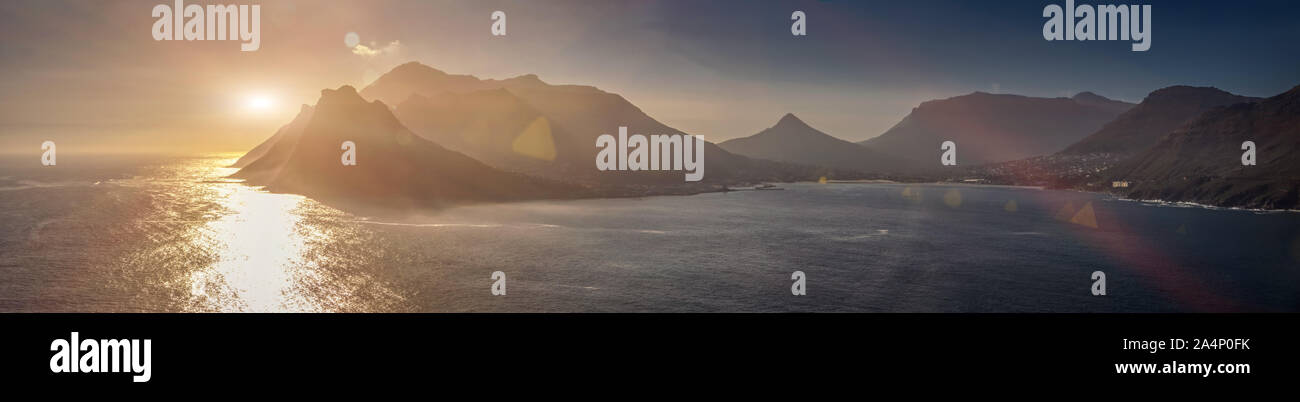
172, 234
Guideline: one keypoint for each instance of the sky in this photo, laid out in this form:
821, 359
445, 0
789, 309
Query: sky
90, 76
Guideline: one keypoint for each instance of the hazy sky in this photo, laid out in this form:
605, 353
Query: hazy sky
89, 75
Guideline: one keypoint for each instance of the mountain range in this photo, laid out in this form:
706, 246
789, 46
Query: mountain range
525, 124
994, 127
1159, 113
1081, 165
1201, 161
456, 138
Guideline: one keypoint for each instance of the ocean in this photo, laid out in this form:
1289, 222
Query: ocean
172, 234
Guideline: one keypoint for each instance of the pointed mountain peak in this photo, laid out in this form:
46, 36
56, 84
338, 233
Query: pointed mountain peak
344, 95
792, 126
790, 120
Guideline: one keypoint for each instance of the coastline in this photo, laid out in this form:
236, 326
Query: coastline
1189, 204
1152, 202
677, 192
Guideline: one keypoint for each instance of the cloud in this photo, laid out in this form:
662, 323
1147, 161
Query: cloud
393, 47
378, 60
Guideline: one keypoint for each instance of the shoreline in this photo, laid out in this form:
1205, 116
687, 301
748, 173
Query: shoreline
1147, 202
1189, 204
1152, 202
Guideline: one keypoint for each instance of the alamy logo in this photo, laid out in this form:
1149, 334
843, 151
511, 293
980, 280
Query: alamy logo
661, 152
1104, 22
48, 157
102, 356
216, 22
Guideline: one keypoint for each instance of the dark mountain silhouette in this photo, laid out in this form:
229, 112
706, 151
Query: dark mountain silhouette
455, 109
289, 132
792, 140
1201, 161
1159, 113
995, 128
394, 166
1081, 165
498, 128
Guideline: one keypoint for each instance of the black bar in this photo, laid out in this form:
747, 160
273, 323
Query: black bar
288, 350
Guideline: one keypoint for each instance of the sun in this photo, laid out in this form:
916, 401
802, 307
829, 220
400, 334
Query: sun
259, 103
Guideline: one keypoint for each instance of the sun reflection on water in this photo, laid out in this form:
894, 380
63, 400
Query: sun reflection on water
264, 252
258, 244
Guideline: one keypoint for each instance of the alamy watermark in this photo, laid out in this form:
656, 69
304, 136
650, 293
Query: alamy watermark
214, 22
48, 154
660, 152
75, 355
1103, 22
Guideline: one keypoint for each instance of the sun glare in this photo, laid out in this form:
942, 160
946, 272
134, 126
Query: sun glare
259, 103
